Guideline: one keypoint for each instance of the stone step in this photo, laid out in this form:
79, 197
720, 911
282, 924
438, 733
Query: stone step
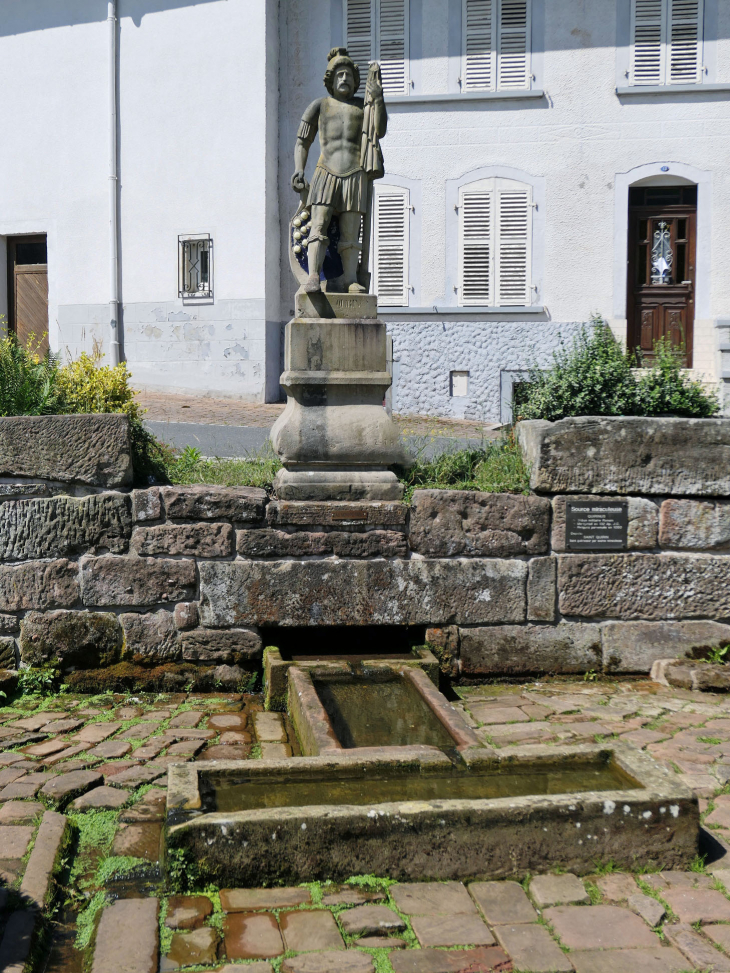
126, 940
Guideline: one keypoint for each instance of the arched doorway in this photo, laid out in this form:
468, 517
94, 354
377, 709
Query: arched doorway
661, 266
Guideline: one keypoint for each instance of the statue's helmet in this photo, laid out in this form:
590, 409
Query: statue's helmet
338, 57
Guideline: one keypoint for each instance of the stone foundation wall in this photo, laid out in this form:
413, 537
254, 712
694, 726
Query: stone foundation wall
203, 576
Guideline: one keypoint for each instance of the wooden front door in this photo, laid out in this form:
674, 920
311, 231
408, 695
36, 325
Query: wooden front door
661, 284
28, 290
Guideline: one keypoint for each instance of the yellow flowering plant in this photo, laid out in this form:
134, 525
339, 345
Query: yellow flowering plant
87, 386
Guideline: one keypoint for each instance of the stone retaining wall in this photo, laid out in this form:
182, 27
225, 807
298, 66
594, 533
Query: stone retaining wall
202, 577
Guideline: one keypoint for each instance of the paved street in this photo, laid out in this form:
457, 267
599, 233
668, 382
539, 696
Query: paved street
67, 758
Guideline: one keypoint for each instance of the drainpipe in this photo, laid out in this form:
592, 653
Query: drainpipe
113, 185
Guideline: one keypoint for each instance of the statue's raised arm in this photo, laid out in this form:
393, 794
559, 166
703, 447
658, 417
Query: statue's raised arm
350, 130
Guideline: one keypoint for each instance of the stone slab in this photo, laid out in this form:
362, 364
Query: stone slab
126, 939
677, 457
206, 502
136, 581
644, 586
270, 543
138, 841
456, 523
651, 911
695, 525
195, 948
39, 585
701, 954
502, 903
660, 959
634, 647
304, 931
90, 449
188, 540
532, 948
20, 812
432, 899
252, 935
64, 787
150, 636
250, 900
101, 799
65, 526
351, 961
370, 920
698, 905
567, 889
527, 649
599, 927
451, 931
14, 841
349, 592
44, 859
82, 639
16, 941
340, 515
490, 958
187, 911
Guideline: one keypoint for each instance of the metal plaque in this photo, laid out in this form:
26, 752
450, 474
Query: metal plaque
596, 525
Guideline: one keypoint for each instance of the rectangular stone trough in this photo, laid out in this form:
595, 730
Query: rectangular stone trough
386, 706
419, 816
276, 668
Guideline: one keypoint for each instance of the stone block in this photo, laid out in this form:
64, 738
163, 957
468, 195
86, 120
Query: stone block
9, 624
39, 584
186, 615
620, 454
136, 581
599, 927
90, 449
633, 647
7, 652
566, 889
128, 928
644, 586
695, 525
82, 639
189, 540
527, 649
542, 593
146, 505
277, 543
350, 592
239, 504
230, 646
643, 522
64, 526
151, 636
341, 515
456, 523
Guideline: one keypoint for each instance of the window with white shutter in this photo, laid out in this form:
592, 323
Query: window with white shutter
496, 44
377, 30
495, 243
667, 40
391, 245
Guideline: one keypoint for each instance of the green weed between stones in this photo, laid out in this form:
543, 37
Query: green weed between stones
86, 920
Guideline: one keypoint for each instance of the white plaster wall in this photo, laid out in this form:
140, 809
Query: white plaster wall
197, 122
53, 163
580, 138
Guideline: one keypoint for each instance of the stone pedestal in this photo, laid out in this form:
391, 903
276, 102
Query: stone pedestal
335, 438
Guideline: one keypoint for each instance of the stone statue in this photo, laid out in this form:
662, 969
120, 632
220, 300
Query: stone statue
350, 130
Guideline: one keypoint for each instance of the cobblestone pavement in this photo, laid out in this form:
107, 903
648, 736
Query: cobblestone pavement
169, 407
82, 794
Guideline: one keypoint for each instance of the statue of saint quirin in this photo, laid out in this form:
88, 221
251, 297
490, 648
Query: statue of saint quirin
350, 130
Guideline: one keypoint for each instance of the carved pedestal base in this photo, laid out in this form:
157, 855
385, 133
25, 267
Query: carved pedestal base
335, 438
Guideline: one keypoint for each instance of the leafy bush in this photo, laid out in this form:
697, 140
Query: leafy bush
598, 377
86, 386
28, 380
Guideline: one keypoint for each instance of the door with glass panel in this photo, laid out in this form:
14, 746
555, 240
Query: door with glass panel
661, 284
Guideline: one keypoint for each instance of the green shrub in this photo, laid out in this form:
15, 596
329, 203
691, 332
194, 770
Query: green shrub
86, 386
28, 380
598, 377
666, 389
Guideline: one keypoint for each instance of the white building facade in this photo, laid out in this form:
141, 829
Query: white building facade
546, 160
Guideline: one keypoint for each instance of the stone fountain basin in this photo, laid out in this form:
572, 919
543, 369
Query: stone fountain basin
378, 812
388, 706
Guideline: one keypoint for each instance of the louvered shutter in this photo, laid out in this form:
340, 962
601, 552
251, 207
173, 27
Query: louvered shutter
513, 49
392, 54
685, 41
360, 34
391, 246
647, 62
513, 247
480, 21
476, 249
